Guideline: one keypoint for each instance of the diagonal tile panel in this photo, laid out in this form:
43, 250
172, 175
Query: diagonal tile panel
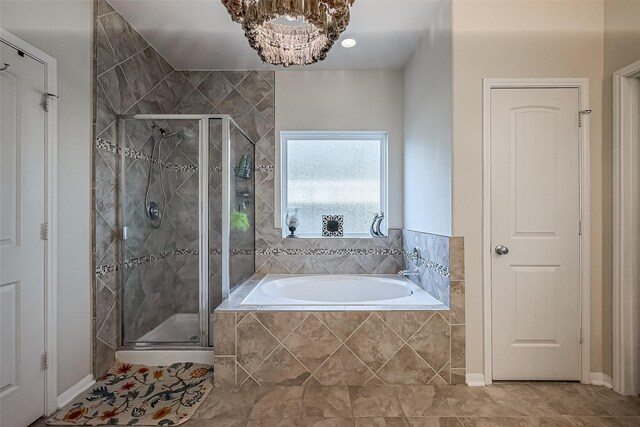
281, 368
342, 323
281, 324
374, 342
254, 343
312, 342
254, 87
405, 323
343, 368
406, 367
254, 125
195, 77
432, 342
215, 87
234, 77
235, 105
117, 89
119, 36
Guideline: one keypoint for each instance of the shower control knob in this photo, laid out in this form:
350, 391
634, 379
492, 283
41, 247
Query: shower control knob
502, 250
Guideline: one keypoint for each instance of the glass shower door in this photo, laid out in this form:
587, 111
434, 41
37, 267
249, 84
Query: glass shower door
160, 214
242, 207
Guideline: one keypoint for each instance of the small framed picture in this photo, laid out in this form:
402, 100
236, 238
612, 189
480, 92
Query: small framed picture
332, 225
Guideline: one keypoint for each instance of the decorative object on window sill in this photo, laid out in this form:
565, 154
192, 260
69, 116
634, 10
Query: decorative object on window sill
376, 225
292, 221
291, 32
332, 225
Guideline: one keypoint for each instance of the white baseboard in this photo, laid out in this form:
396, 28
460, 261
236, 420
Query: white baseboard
75, 390
475, 380
600, 378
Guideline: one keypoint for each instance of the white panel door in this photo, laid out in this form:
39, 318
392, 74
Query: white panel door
535, 205
22, 251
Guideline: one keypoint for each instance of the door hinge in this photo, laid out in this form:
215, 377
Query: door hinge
44, 359
579, 227
125, 233
580, 115
581, 336
47, 99
44, 231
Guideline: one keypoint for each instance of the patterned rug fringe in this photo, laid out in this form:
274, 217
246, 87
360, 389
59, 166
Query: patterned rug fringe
140, 395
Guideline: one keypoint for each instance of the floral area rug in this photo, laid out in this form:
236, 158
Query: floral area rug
140, 395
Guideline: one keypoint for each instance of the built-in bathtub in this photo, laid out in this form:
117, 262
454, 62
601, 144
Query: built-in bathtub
332, 330
381, 290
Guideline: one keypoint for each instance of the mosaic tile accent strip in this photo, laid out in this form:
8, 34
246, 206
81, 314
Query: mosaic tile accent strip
242, 252
107, 268
431, 265
316, 251
335, 348
138, 155
134, 262
265, 168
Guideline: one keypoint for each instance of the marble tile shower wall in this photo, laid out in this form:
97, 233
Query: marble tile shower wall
132, 77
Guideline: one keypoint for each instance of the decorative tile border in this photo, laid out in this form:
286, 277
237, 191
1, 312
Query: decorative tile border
313, 251
134, 262
138, 155
101, 270
265, 168
243, 252
431, 265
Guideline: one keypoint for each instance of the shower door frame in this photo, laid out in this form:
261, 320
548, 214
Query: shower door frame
203, 221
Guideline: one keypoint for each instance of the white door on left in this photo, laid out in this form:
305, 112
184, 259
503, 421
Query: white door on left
22, 250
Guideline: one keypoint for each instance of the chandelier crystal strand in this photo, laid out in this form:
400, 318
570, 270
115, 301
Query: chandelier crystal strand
314, 26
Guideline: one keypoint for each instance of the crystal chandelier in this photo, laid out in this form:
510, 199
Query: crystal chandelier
291, 32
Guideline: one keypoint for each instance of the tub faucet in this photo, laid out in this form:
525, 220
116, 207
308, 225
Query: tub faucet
407, 273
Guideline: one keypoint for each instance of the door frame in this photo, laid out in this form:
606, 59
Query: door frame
582, 84
626, 247
51, 183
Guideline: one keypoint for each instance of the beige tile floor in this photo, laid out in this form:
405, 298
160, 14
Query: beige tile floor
522, 404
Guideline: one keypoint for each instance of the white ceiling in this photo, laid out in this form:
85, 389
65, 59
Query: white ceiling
199, 34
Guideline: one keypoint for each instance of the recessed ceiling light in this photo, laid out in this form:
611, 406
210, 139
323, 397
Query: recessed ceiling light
349, 43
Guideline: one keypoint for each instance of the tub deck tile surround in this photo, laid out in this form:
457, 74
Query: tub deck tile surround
329, 346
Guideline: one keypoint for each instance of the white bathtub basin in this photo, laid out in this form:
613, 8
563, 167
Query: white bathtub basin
338, 290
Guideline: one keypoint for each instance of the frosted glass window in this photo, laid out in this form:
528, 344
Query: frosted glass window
332, 173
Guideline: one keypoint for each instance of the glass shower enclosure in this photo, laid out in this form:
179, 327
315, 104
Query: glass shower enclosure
187, 206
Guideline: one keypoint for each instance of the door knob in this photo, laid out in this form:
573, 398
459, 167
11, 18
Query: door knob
502, 250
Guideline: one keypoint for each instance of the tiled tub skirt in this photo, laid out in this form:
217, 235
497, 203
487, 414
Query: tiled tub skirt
337, 348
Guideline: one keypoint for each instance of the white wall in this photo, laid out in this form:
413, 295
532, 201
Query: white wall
427, 130
518, 39
63, 29
346, 101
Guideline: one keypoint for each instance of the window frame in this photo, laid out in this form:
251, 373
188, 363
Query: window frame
382, 136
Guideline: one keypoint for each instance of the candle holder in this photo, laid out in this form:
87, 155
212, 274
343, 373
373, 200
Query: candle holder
292, 221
